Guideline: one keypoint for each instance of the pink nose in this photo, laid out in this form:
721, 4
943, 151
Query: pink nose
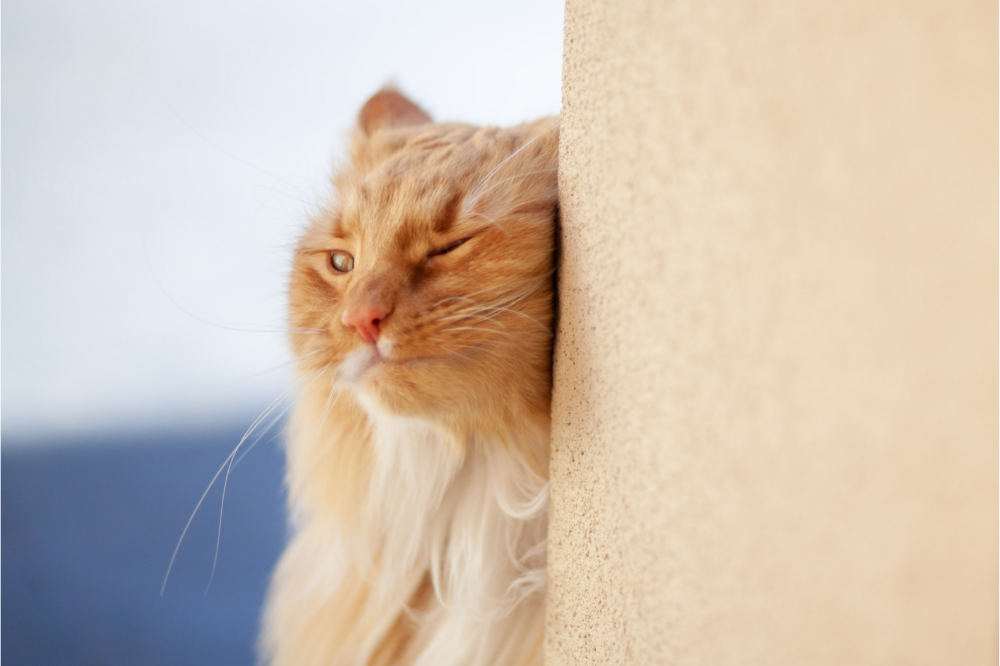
365, 318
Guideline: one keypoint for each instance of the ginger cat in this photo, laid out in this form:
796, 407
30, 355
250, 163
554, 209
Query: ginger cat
421, 304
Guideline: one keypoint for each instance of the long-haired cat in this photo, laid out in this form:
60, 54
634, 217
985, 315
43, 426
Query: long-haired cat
421, 304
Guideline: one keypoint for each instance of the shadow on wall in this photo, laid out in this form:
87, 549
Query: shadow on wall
88, 532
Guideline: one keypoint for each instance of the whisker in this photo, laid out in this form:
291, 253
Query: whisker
184, 531
468, 296
277, 367
201, 500
490, 220
475, 328
477, 310
520, 175
473, 316
225, 483
477, 347
476, 190
477, 315
526, 316
512, 300
256, 441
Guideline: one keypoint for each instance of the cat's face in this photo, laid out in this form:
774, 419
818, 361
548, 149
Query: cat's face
427, 287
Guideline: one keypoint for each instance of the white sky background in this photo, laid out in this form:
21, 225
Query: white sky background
132, 125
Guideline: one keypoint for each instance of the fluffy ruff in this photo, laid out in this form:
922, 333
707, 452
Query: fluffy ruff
440, 560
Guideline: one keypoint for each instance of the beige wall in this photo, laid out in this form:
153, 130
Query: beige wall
775, 419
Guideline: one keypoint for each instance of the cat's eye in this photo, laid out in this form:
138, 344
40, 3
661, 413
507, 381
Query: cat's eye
446, 249
342, 262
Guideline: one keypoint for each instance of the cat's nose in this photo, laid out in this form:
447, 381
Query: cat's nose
365, 318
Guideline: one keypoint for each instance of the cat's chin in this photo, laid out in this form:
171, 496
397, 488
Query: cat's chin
362, 367
371, 374
354, 366
412, 387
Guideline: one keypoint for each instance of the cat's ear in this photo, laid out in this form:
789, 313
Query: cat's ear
389, 108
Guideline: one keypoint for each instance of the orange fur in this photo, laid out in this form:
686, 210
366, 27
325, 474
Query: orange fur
461, 377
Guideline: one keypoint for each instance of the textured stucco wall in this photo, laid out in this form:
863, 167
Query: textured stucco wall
775, 418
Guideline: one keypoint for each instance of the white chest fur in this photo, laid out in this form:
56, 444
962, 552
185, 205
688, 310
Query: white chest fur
449, 552
475, 523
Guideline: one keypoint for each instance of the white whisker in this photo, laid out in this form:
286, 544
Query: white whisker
474, 316
225, 463
467, 296
490, 220
520, 175
277, 367
500, 310
225, 483
475, 192
477, 329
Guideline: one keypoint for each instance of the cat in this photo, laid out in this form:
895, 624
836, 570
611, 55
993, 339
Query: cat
421, 305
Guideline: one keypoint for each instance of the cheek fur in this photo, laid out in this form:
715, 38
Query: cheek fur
490, 373
318, 335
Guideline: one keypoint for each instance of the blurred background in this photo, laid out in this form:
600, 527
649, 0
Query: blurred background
158, 161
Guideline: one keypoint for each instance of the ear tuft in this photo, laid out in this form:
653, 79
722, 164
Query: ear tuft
388, 108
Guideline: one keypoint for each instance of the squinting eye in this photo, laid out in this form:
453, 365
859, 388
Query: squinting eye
342, 262
446, 249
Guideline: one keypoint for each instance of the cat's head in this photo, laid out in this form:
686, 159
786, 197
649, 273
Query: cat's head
426, 286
